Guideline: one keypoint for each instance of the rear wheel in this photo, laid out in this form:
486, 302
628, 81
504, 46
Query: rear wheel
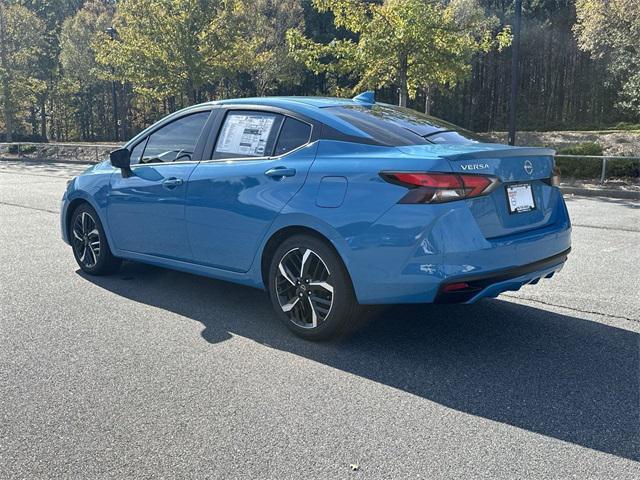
311, 290
89, 242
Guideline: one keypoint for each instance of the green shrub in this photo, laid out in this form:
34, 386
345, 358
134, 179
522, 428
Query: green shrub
586, 148
580, 167
24, 149
589, 168
623, 168
626, 126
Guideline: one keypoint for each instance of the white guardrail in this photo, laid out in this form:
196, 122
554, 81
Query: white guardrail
93, 152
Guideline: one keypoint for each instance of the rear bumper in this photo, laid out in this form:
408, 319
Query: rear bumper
491, 285
413, 250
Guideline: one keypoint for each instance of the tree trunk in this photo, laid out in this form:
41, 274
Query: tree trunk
403, 88
7, 111
261, 87
43, 116
403, 93
32, 119
6, 69
427, 101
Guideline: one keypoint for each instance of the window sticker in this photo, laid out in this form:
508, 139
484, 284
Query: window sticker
245, 134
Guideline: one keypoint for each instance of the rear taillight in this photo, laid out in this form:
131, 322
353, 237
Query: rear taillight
440, 187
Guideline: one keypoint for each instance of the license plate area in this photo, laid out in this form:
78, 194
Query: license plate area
520, 198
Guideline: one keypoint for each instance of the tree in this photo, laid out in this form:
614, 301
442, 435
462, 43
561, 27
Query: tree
272, 67
170, 53
172, 48
83, 75
20, 42
412, 44
46, 69
560, 86
611, 30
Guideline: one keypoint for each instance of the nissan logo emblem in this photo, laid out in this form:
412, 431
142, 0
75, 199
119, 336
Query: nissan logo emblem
528, 167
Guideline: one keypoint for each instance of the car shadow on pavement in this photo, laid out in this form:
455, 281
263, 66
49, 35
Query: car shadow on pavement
556, 375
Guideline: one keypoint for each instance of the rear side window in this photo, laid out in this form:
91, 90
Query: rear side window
293, 134
176, 141
374, 123
397, 126
246, 134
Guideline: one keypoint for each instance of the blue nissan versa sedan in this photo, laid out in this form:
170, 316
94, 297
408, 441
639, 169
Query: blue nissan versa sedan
328, 203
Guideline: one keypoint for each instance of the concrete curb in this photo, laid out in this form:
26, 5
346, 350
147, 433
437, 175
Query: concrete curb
605, 192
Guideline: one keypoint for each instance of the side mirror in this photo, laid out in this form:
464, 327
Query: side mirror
121, 158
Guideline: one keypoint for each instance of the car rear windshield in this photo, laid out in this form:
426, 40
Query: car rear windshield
397, 126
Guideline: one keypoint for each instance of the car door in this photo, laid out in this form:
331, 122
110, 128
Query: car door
260, 160
146, 210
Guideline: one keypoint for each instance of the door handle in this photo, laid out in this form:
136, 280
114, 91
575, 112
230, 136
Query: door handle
279, 172
171, 183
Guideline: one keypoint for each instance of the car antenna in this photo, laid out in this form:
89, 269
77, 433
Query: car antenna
366, 97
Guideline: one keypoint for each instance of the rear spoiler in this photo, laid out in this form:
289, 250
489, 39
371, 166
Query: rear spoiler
506, 152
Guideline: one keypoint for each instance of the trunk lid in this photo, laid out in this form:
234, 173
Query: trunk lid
513, 166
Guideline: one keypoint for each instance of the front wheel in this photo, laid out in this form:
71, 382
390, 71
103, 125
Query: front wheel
310, 289
89, 242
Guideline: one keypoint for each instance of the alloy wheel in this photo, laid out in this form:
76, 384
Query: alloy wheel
303, 287
86, 239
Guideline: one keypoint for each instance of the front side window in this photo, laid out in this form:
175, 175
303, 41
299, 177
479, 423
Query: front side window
136, 153
397, 126
293, 134
246, 134
176, 141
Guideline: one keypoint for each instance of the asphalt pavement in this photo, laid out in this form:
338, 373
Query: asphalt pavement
158, 374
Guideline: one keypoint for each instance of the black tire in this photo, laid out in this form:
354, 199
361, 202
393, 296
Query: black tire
89, 242
310, 295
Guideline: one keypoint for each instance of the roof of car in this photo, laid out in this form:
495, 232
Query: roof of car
293, 100
312, 107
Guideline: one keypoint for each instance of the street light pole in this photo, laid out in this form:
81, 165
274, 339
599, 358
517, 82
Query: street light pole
515, 53
112, 32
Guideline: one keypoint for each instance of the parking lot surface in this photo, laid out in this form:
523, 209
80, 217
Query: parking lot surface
157, 374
